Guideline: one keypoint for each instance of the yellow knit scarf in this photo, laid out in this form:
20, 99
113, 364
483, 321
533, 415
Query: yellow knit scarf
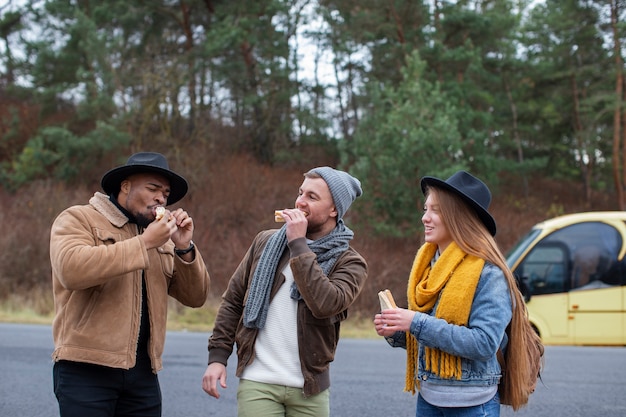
455, 276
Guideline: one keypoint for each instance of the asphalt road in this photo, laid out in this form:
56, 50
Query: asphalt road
367, 379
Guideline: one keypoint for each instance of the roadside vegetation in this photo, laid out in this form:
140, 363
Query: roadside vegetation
236, 201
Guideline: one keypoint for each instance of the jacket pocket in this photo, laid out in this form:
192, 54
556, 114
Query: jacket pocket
106, 237
89, 300
166, 259
322, 338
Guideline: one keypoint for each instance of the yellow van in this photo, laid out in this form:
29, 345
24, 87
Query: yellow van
572, 272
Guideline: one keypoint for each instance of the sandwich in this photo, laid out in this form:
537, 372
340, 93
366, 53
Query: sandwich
159, 213
278, 216
386, 300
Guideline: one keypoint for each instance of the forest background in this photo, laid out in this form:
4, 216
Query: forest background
245, 96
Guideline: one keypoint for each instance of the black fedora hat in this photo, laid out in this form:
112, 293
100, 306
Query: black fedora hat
472, 190
145, 162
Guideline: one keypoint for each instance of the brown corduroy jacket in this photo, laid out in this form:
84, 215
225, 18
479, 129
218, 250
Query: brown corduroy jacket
97, 262
324, 304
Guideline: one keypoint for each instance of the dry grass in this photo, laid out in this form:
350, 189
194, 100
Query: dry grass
203, 319
181, 319
231, 198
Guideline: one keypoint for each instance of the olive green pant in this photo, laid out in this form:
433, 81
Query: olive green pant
256, 399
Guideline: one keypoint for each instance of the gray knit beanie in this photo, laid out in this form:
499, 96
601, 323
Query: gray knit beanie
343, 187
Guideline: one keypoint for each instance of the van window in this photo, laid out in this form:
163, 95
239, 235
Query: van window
580, 256
521, 246
545, 268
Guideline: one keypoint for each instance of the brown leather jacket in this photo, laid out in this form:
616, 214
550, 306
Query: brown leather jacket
97, 263
324, 304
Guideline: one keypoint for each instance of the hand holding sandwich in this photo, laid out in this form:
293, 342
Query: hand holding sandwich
183, 233
296, 220
176, 225
391, 318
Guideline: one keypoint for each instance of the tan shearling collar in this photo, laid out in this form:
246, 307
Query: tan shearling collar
104, 206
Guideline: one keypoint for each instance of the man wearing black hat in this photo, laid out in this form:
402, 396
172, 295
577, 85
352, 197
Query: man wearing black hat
285, 302
114, 263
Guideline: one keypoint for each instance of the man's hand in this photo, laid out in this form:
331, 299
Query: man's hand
183, 233
297, 223
214, 372
159, 231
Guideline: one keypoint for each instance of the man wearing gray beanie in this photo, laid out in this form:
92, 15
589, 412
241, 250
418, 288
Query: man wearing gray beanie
344, 188
285, 302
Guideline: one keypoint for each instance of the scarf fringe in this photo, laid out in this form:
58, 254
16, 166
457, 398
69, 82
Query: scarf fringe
411, 383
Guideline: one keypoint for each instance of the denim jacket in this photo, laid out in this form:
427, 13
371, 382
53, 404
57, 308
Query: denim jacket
477, 343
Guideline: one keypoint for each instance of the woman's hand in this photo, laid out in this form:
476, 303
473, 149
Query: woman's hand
393, 320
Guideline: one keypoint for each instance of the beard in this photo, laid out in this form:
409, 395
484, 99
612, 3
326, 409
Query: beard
314, 228
142, 220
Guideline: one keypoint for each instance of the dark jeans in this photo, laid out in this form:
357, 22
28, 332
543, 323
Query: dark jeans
98, 391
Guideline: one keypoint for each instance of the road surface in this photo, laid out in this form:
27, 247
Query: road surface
367, 379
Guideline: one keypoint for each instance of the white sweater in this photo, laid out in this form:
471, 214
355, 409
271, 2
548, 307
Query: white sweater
276, 358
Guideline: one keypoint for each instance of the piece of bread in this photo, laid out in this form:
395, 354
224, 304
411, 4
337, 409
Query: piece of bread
159, 212
386, 300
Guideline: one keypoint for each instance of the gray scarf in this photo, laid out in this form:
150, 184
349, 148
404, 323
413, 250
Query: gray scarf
328, 249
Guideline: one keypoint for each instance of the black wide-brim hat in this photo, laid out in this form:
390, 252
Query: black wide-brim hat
472, 190
145, 162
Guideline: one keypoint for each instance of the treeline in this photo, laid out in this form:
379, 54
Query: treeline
397, 89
